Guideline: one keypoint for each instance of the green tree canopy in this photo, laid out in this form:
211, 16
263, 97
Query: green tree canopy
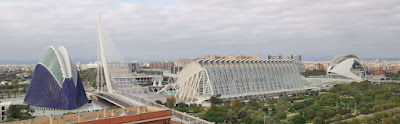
20, 111
298, 119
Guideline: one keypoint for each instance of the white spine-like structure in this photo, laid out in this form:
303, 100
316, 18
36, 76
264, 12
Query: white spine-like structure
103, 58
119, 80
231, 78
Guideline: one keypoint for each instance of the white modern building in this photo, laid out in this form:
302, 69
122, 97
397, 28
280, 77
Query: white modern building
348, 67
239, 78
4, 106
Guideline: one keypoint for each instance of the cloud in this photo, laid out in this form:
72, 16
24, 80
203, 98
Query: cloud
170, 30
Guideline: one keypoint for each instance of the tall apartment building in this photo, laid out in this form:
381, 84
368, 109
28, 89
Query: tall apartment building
134, 67
377, 70
319, 66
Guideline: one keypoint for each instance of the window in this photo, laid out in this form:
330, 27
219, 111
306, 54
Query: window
3, 108
166, 121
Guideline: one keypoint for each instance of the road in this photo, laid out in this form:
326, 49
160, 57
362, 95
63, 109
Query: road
111, 99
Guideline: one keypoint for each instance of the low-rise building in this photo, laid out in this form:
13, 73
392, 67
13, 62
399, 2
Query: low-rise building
4, 106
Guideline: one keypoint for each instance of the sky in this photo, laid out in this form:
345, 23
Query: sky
160, 30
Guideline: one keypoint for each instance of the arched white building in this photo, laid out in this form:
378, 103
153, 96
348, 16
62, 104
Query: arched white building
237, 78
348, 66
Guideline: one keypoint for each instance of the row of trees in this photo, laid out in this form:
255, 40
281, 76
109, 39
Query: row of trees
313, 73
393, 76
181, 106
386, 117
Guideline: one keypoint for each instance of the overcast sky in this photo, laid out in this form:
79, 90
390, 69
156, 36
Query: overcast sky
172, 29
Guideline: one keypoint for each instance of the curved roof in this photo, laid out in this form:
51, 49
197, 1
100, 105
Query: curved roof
59, 64
231, 78
339, 58
56, 83
343, 65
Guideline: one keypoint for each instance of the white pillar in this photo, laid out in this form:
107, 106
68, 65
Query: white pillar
103, 57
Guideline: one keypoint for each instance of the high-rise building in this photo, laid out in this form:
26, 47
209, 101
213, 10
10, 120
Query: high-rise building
377, 70
56, 82
134, 67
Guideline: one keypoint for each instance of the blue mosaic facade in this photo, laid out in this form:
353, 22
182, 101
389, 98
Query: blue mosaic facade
45, 91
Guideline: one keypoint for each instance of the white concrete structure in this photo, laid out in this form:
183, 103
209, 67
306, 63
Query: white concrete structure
4, 106
348, 66
233, 78
103, 57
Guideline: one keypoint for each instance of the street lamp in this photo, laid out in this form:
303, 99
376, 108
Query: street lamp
265, 118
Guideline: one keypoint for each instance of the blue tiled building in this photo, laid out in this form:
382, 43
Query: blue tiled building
56, 82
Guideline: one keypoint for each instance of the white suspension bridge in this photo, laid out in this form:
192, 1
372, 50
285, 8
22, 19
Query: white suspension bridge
127, 92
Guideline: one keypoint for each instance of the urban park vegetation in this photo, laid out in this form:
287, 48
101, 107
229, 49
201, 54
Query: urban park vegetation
19, 112
342, 101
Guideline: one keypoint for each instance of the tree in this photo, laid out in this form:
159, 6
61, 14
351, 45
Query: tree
181, 106
246, 120
258, 121
291, 109
237, 105
14, 90
215, 114
265, 110
159, 102
387, 121
301, 96
299, 105
298, 119
20, 111
253, 104
227, 102
216, 100
170, 102
318, 120
377, 108
242, 114
308, 102
338, 117
271, 101
281, 114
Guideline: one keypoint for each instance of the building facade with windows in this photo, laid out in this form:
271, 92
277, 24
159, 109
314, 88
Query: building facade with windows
4, 106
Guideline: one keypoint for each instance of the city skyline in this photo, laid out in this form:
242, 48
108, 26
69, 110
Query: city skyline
171, 30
